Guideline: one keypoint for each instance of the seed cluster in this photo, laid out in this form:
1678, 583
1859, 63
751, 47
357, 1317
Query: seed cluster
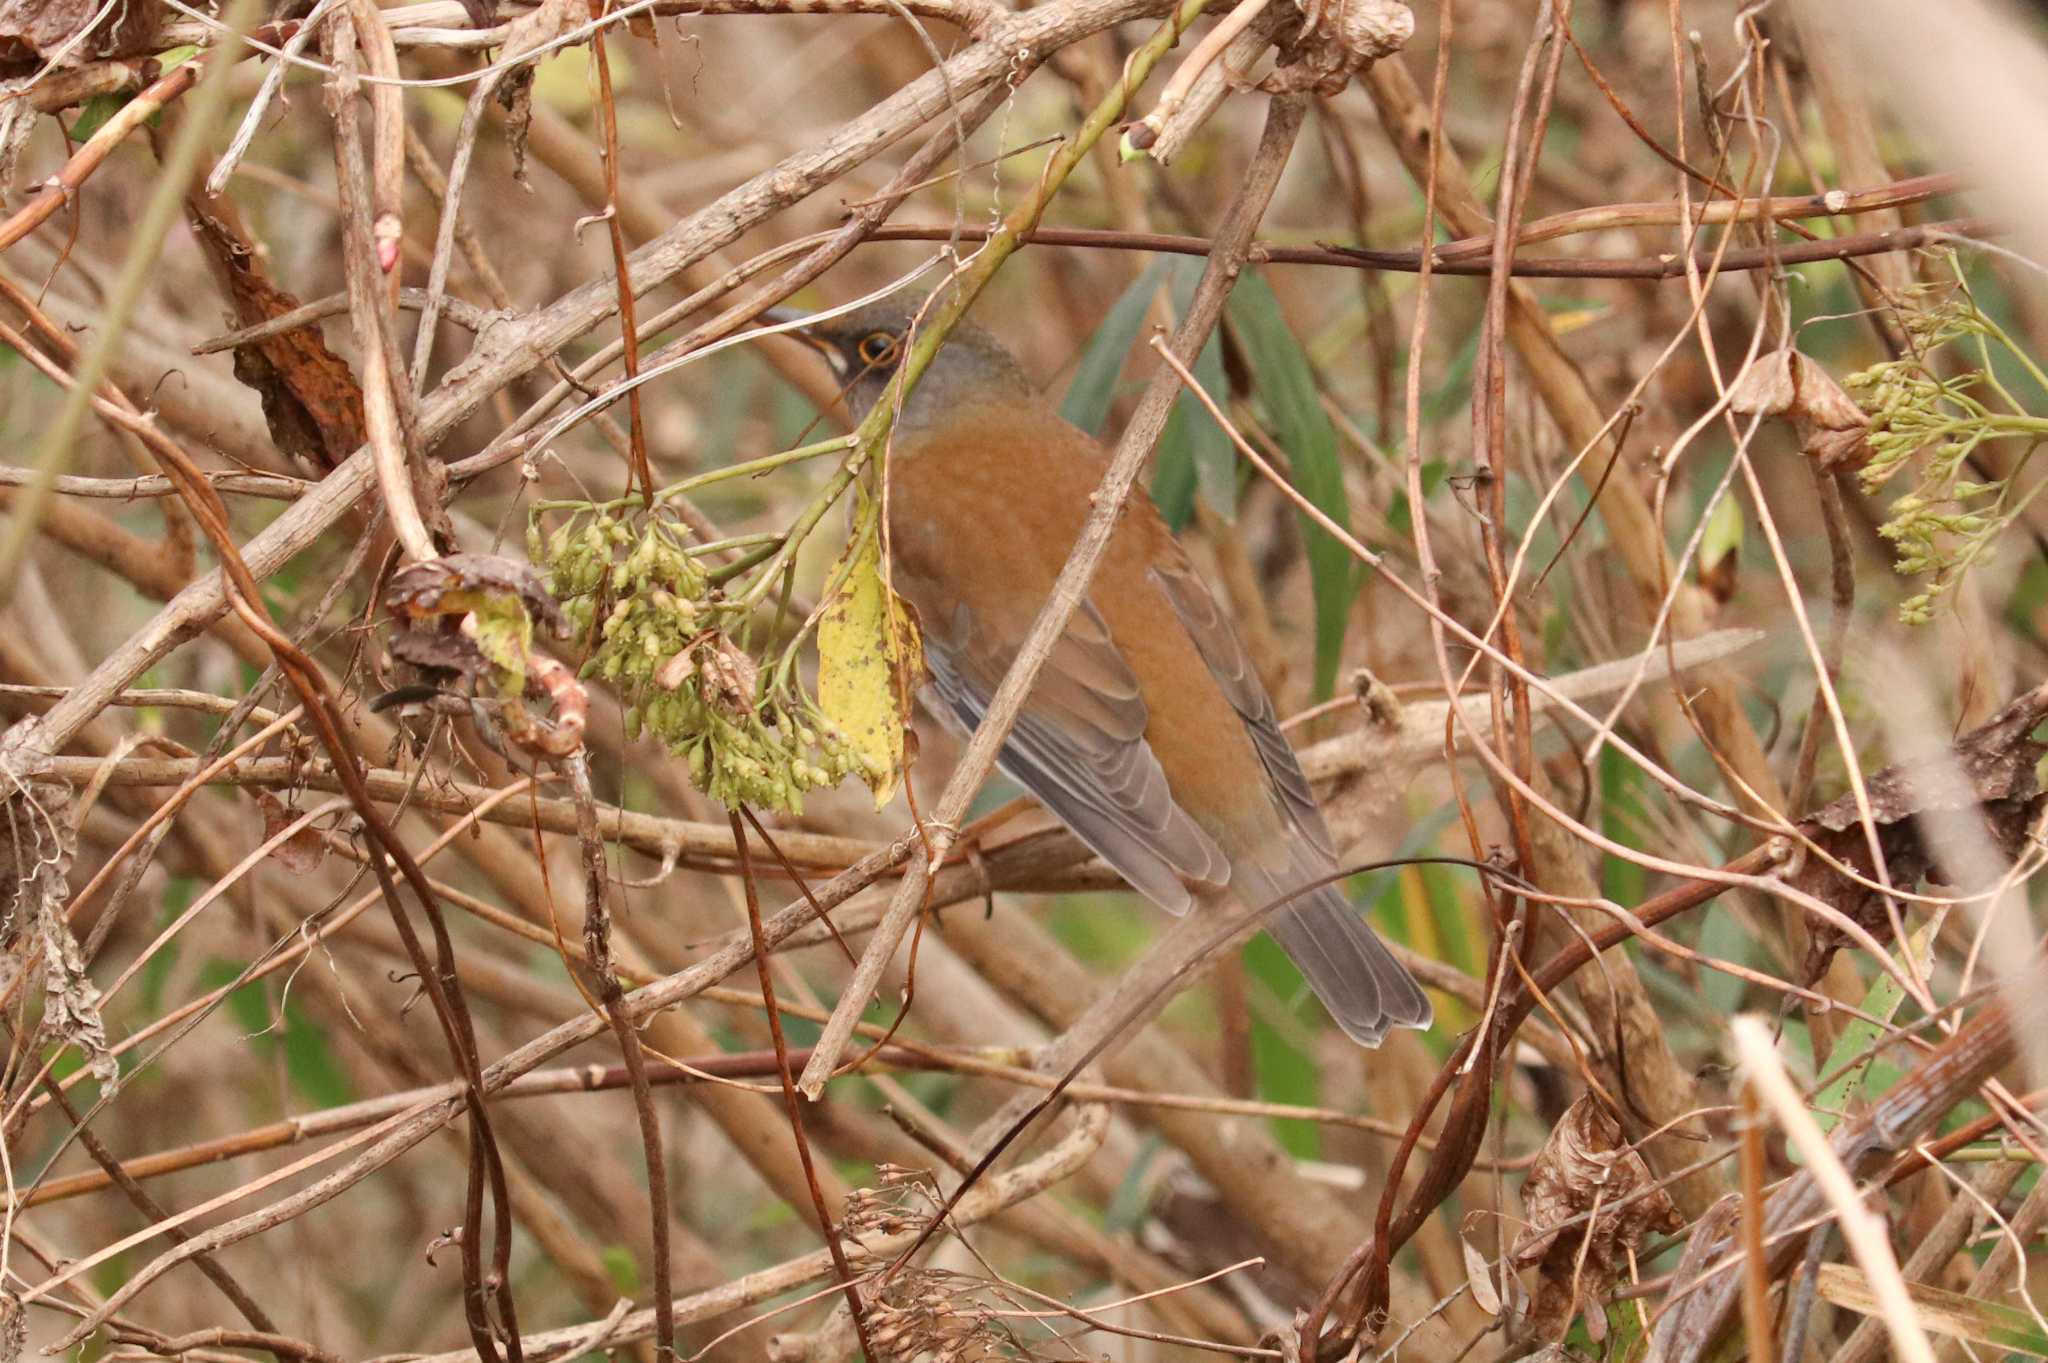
660, 633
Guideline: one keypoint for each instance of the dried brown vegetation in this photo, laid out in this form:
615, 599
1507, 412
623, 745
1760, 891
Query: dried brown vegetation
441, 916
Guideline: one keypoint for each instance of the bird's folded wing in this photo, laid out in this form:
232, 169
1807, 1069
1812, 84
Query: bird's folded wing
1351, 970
1079, 746
1220, 648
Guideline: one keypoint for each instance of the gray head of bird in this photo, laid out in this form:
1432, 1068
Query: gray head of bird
866, 346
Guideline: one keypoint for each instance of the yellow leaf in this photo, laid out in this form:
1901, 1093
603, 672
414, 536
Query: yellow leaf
868, 659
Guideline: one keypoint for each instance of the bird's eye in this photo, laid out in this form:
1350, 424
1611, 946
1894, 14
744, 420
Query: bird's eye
876, 348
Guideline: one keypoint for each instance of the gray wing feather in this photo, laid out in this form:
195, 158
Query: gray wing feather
1081, 751
1232, 667
1366, 990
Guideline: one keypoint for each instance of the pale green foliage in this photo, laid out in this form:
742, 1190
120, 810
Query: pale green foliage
660, 634
1928, 424
504, 635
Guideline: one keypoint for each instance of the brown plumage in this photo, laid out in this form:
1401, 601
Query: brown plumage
1147, 732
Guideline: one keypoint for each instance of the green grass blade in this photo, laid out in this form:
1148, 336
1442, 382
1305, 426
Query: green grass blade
1287, 391
1093, 387
1212, 462
1860, 1038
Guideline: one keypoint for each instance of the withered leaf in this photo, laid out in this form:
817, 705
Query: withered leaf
1990, 769
473, 616
455, 584
730, 676
1832, 430
17, 125
301, 853
869, 657
1479, 1278
13, 1328
440, 652
311, 400
32, 31
1586, 1168
528, 33
41, 846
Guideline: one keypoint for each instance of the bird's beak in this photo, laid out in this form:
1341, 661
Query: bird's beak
780, 315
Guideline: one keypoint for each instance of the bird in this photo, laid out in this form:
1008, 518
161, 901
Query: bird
1147, 732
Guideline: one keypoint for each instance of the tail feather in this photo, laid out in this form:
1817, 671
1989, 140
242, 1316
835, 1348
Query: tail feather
1366, 990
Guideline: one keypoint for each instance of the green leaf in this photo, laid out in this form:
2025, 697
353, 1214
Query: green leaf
93, 115
179, 893
1194, 453
622, 1268
1208, 449
245, 1005
1105, 930
308, 1062
1195, 456
1726, 937
1860, 1037
1399, 515
1623, 881
1093, 387
1131, 1203
1173, 476
1285, 1074
1723, 536
1621, 1339
1287, 391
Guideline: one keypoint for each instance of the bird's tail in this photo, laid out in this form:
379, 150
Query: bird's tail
1366, 990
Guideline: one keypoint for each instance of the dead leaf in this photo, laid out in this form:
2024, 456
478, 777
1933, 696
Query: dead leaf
35, 822
1586, 1170
311, 400
2008, 1331
17, 125
523, 35
730, 677
39, 844
456, 584
1479, 1278
13, 1328
301, 853
1996, 763
1335, 39
441, 653
472, 616
868, 659
32, 31
1832, 429
671, 675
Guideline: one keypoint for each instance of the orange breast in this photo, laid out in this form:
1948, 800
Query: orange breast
985, 524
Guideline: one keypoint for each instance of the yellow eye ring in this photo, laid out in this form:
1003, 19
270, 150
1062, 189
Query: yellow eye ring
876, 348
